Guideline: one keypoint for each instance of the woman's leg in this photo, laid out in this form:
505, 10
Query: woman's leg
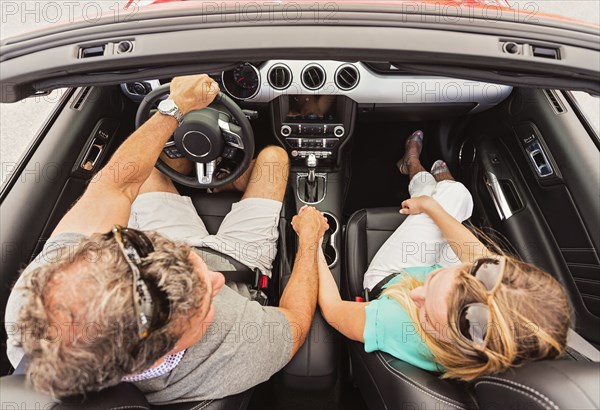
401, 250
454, 197
418, 241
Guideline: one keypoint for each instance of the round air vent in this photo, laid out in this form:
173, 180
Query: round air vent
313, 76
280, 77
346, 77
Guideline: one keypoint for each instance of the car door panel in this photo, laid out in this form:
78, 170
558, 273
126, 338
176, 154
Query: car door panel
50, 180
552, 220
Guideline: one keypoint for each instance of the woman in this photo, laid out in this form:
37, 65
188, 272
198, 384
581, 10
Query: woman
453, 306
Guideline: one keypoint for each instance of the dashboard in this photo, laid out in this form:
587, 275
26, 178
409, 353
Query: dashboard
362, 82
313, 105
371, 84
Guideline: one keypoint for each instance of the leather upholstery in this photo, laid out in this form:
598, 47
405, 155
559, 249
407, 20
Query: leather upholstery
16, 391
549, 384
17, 394
366, 231
388, 383
314, 367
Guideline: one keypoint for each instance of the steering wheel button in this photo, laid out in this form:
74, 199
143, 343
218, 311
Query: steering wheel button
228, 152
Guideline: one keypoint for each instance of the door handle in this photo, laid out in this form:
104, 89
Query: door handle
91, 157
498, 196
539, 159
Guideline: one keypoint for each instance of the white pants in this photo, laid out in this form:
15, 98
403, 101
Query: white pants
418, 241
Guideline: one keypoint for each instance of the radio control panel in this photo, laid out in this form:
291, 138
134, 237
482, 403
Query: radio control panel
318, 125
298, 129
313, 143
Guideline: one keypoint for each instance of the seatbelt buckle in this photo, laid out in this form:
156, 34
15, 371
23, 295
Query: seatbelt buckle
260, 281
264, 282
358, 299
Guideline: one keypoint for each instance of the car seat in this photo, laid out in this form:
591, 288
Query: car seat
388, 383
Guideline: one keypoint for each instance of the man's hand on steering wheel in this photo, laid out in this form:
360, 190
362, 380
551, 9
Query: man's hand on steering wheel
213, 131
193, 92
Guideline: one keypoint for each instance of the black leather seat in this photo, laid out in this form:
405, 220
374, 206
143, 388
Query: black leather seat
388, 383
17, 394
212, 208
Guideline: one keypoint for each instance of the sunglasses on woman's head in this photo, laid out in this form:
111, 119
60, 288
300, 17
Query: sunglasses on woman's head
152, 308
474, 318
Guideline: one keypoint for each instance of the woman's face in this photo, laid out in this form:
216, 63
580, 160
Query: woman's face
432, 301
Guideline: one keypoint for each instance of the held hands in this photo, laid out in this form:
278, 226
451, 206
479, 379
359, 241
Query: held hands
193, 92
310, 224
417, 205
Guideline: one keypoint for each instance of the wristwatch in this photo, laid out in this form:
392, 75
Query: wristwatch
168, 107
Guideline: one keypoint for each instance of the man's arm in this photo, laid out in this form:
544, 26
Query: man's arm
108, 198
462, 241
299, 300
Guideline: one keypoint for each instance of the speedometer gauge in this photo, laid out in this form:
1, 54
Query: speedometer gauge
246, 76
242, 82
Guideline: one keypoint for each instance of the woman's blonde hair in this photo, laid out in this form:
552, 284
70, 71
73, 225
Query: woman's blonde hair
529, 319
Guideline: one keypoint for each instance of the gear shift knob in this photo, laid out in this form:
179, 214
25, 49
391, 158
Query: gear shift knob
311, 163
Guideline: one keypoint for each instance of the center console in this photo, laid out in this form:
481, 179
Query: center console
313, 124
314, 129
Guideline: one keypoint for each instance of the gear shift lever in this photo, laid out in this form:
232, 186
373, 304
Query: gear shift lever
311, 181
311, 163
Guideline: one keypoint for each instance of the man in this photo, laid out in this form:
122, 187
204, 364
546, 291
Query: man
102, 303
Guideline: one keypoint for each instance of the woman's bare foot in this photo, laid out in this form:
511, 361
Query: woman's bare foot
441, 172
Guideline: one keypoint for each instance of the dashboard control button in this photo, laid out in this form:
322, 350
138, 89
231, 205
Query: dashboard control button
339, 131
286, 130
172, 152
228, 152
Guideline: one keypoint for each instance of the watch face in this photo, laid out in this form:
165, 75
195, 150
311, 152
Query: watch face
166, 105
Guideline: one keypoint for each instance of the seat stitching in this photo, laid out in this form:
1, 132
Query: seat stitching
530, 389
363, 216
430, 393
531, 396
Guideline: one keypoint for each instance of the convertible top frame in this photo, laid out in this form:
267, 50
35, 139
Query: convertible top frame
181, 39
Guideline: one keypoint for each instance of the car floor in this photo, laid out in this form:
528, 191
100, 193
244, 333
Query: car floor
377, 146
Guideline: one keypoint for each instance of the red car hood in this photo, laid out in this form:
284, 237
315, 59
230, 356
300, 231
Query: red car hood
499, 3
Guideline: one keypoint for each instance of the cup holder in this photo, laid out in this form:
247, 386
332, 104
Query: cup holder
330, 240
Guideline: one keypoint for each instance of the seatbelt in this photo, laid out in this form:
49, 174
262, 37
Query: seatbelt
378, 288
242, 273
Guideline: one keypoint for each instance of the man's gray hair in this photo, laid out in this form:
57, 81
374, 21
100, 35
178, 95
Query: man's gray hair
78, 325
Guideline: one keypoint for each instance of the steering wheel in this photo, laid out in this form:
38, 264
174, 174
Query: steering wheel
204, 136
